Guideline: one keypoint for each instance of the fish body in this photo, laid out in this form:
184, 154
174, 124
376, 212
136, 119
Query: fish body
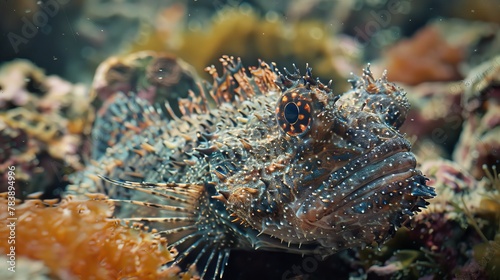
281, 163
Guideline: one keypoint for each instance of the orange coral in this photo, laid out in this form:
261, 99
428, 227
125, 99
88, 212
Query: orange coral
425, 57
76, 240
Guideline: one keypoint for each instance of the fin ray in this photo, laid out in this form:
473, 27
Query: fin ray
155, 205
149, 188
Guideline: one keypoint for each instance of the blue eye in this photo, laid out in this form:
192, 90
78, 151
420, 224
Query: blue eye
291, 113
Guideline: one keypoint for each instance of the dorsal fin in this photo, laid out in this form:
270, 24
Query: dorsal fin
290, 80
235, 85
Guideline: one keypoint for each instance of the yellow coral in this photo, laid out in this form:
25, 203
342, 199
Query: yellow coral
241, 32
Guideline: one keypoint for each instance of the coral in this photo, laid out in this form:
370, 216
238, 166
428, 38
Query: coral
487, 255
25, 268
437, 114
423, 58
435, 117
43, 121
241, 32
76, 239
479, 142
479, 40
444, 236
454, 185
156, 77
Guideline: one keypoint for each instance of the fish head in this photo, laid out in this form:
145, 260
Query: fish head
333, 169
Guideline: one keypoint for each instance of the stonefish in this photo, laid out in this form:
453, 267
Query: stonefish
281, 162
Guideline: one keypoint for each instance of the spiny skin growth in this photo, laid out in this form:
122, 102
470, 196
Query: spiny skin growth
282, 163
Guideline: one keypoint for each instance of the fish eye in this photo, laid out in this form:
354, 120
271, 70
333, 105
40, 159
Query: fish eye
293, 114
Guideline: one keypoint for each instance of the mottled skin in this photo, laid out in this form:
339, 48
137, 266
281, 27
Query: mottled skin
346, 179
282, 163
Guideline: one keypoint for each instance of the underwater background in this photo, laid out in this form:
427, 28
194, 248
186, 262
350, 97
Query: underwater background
61, 60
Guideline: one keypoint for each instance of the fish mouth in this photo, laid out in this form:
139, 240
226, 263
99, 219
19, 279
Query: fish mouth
382, 181
386, 164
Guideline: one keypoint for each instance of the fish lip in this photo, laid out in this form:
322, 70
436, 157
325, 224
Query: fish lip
387, 197
366, 174
376, 155
391, 159
379, 178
